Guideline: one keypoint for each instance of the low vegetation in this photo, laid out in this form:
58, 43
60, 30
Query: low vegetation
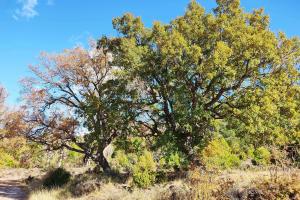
194, 185
56, 178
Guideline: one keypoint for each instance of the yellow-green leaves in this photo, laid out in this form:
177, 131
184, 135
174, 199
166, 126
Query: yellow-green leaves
230, 7
128, 25
203, 67
221, 54
258, 19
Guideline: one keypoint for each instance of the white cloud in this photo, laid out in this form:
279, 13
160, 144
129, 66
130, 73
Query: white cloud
27, 9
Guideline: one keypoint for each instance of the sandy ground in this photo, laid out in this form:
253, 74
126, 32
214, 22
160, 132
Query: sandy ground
12, 182
12, 185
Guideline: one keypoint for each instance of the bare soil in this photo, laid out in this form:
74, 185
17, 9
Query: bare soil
12, 182
13, 190
12, 185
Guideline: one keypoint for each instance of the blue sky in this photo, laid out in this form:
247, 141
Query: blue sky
28, 27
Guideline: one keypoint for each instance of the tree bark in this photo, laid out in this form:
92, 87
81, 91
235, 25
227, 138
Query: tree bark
104, 163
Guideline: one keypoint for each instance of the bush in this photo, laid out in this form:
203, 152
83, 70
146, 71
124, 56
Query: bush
17, 152
262, 156
73, 159
176, 160
218, 155
123, 161
134, 145
7, 160
170, 157
56, 178
144, 171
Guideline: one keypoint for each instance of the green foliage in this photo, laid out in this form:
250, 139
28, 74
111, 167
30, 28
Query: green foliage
73, 159
174, 160
222, 75
144, 171
18, 152
123, 161
262, 156
56, 178
218, 155
204, 66
6, 160
135, 145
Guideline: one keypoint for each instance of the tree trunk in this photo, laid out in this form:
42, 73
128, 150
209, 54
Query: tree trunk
104, 163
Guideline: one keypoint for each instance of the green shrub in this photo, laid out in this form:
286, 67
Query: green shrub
123, 161
73, 159
262, 156
218, 155
17, 152
170, 157
56, 178
6, 160
144, 171
250, 152
134, 145
176, 160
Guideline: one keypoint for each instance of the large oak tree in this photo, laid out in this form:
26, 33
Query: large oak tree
204, 67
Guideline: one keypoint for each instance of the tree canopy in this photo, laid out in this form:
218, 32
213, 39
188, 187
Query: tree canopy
202, 68
179, 85
74, 98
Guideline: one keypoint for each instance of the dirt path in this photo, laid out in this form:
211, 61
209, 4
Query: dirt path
12, 190
12, 186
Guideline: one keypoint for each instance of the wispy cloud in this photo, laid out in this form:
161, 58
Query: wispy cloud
50, 2
80, 39
27, 10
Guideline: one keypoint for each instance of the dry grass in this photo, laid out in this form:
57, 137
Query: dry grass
45, 195
227, 185
110, 191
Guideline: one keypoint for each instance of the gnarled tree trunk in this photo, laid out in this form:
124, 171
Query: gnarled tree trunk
102, 160
104, 163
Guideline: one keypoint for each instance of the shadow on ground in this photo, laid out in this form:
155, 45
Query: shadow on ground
12, 190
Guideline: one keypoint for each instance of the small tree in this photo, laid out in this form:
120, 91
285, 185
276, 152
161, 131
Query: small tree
75, 97
2, 111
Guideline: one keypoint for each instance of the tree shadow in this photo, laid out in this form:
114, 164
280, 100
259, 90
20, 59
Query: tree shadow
13, 190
